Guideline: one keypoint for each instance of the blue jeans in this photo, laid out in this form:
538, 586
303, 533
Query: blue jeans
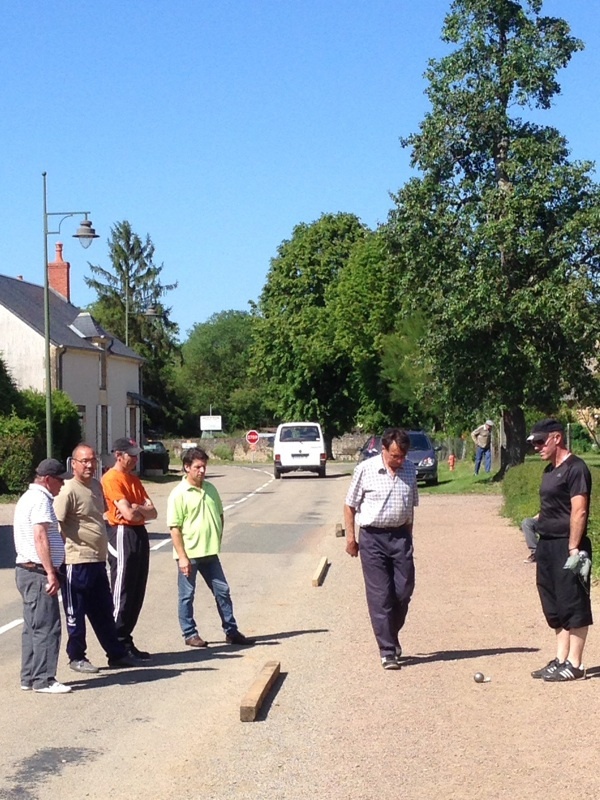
529, 528
485, 454
211, 570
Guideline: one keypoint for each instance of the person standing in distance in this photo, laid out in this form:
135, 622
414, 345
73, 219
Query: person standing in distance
40, 556
128, 508
195, 520
482, 436
80, 507
381, 498
562, 530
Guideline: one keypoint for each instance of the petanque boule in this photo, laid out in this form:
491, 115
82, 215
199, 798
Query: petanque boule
479, 677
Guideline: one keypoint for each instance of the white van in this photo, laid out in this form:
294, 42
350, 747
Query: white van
299, 445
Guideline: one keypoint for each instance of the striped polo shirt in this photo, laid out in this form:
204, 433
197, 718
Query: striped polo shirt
35, 507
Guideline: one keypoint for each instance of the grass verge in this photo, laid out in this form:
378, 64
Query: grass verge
521, 488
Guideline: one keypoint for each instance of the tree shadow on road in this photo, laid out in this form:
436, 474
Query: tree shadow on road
459, 655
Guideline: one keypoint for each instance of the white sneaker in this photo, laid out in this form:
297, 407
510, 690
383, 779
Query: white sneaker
25, 688
54, 688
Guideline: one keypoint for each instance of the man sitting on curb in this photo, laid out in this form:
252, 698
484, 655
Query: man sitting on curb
529, 528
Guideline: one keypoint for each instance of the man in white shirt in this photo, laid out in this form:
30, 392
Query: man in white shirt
40, 555
381, 498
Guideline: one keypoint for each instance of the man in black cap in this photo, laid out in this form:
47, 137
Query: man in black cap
40, 555
564, 551
128, 508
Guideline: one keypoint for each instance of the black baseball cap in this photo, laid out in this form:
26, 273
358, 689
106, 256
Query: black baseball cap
125, 445
51, 467
542, 428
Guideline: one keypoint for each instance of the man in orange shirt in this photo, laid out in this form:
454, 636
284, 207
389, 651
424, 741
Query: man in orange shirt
128, 510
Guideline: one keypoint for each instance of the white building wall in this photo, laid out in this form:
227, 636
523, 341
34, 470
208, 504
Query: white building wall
81, 381
22, 351
123, 376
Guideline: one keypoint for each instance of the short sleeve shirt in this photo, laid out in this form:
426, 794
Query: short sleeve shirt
118, 485
35, 508
559, 485
80, 511
383, 500
197, 512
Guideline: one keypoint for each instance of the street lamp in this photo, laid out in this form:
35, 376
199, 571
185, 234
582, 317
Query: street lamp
85, 234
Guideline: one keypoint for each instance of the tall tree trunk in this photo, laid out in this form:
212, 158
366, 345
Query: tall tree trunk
513, 448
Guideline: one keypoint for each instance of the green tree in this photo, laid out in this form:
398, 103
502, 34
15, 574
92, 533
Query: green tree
295, 355
66, 428
130, 305
366, 322
497, 239
10, 398
214, 372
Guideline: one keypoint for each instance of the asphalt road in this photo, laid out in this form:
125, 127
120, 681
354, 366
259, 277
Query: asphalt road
336, 726
119, 730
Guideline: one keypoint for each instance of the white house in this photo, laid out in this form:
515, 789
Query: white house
99, 373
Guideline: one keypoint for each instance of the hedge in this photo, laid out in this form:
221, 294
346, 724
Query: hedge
521, 490
21, 449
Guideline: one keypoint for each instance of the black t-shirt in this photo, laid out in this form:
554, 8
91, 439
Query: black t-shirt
559, 485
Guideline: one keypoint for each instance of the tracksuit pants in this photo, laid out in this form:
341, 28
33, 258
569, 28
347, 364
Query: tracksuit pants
129, 560
86, 592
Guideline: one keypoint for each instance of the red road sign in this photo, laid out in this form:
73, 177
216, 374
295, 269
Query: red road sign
252, 437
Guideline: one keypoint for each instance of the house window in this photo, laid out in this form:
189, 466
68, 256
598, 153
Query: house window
82, 425
132, 422
103, 429
102, 370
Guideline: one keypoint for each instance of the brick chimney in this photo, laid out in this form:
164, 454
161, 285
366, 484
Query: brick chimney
59, 274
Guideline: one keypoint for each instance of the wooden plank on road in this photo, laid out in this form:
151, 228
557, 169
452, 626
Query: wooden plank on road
319, 575
253, 699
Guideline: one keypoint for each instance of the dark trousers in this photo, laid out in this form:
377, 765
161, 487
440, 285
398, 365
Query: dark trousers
86, 592
129, 560
388, 569
40, 641
565, 599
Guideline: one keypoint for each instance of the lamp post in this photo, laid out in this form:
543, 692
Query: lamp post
85, 234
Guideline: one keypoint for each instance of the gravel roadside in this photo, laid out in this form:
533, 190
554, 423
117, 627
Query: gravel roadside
341, 727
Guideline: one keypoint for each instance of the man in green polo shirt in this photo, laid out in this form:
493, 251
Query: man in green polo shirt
195, 519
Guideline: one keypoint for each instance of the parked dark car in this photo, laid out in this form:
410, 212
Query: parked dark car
421, 452
155, 456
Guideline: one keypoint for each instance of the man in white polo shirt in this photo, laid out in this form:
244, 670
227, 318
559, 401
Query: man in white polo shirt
381, 498
40, 555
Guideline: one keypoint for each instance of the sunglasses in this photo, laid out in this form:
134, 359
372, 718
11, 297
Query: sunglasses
540, 441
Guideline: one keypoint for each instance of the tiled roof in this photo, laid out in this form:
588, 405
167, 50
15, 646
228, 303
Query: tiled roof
69, 326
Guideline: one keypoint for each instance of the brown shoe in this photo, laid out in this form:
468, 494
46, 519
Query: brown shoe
196, 641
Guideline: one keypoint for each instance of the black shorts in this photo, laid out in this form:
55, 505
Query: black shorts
565, 601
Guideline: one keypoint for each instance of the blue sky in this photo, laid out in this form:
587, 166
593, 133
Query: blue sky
216, 127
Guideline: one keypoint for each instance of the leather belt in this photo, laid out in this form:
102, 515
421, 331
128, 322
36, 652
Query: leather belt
31, 566
398, 528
